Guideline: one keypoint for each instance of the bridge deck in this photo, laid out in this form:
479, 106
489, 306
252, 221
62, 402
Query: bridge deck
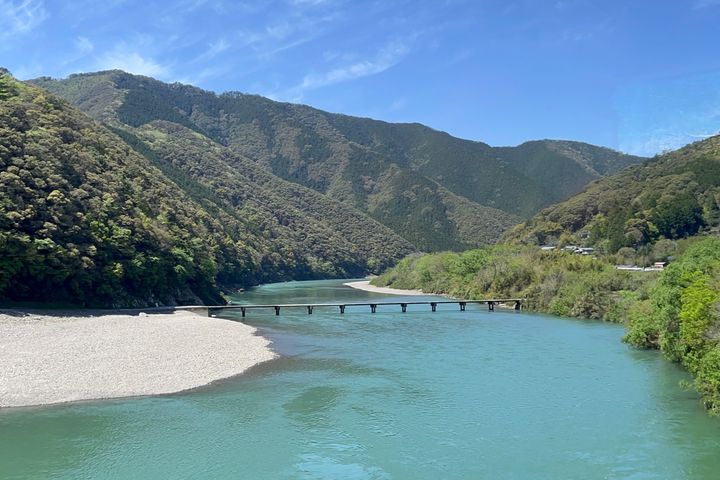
491, 302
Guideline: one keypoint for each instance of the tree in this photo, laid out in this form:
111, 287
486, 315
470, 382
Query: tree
679, 217
6, 88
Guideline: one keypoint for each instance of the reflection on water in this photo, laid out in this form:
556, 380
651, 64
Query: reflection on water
419, 395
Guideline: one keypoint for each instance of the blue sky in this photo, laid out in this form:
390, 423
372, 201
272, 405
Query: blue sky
638, 75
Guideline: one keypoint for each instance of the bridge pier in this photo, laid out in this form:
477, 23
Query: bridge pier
213, 310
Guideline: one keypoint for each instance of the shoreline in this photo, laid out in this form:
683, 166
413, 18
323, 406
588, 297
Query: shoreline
50, 359
365, 286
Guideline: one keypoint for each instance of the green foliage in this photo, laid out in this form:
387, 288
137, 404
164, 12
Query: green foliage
74, 227
672, 196
698, 300
436, 191
319, 237
678, 217
706, 171
554, 282
682, 317
643, 329
707, 379
7, 86
87, 220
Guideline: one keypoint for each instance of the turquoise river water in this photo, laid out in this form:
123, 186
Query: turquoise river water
420, 395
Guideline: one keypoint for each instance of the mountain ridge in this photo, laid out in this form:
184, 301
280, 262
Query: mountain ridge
670, 196
91, 219
357, 161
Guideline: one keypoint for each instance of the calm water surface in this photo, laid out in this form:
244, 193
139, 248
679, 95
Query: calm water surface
449, 395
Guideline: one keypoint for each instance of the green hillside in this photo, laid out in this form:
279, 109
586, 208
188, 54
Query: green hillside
86, 219
437, 191
668, 197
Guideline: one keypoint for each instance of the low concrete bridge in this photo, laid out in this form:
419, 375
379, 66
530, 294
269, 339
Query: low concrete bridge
215, 309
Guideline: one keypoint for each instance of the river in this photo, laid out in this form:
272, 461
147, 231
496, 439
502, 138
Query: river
420, 395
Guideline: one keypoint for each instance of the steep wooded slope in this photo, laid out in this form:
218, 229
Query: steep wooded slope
668, 197
435, 190
85, 219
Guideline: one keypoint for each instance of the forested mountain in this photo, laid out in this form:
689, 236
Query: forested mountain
90, 219
437, 191
668, 197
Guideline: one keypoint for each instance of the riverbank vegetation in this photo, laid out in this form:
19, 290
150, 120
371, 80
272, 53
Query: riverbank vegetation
555, 282
681, 317
676, 310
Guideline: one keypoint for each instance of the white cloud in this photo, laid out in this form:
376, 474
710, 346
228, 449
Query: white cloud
83, 46
21, 16
654, 144
283, 34
123, 58
214, 49
331, 56
204, 74
668, 113
662, 141
218, 47
280, 31
388, 57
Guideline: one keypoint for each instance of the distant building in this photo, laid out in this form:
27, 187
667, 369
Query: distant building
579, 250
657, 267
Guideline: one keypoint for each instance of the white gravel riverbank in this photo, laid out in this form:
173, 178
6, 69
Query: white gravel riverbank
48, 359
365, 285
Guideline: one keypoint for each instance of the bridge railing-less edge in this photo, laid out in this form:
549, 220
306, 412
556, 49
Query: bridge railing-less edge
462, 304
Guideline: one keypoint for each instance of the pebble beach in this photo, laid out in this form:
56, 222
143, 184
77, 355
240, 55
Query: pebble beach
50, 358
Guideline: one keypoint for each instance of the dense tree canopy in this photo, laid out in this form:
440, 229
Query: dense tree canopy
437, 191
86, 219
6, 86
678, 217
669, 197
